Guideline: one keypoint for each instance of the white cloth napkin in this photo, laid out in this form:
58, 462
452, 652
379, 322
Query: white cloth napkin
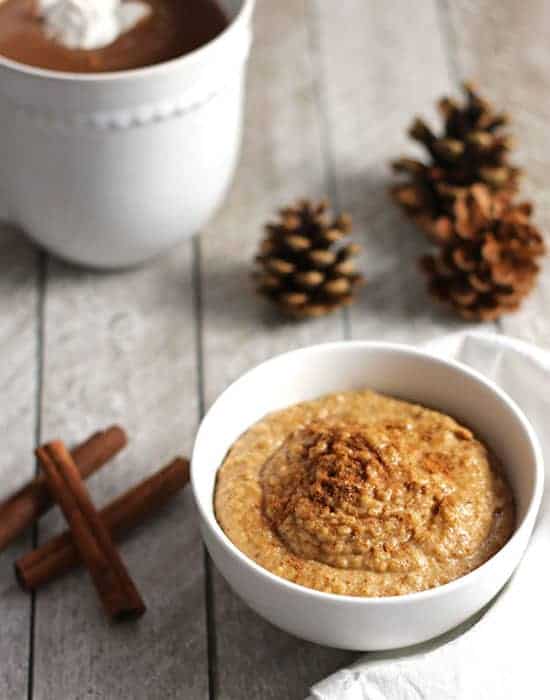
505, 655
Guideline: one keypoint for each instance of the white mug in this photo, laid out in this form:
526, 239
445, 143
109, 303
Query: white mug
111, 169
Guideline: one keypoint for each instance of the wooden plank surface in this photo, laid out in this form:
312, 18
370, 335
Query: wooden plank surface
282, 160
18, 389
391, 66
332, 89
504, 46
122, 348
340, 118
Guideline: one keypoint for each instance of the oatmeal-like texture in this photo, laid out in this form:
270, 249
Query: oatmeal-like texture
361, 494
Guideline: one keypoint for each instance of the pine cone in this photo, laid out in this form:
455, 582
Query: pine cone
487, 264
470, 150
306, 271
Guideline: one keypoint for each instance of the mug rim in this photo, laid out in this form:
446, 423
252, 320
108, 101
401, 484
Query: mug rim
243, 16
470, 578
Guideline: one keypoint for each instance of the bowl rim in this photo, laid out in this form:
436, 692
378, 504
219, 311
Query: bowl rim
241, 17
431, 593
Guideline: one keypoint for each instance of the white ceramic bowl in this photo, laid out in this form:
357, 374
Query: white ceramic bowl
111, 169
353, 622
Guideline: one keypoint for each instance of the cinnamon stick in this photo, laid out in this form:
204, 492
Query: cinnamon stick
91, 538
33, 500
59, 554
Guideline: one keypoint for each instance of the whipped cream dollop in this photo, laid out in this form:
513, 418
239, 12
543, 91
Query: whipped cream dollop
90, 24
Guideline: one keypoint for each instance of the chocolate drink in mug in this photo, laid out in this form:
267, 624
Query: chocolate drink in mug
57, 34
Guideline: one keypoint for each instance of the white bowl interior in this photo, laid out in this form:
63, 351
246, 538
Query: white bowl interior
391, 369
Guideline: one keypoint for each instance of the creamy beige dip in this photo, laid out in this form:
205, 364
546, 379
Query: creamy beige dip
361, 494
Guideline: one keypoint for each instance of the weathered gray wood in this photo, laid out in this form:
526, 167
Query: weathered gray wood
121, 348
332, 89
367, 97
18, 392
380, 65
504, 46
282, 160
